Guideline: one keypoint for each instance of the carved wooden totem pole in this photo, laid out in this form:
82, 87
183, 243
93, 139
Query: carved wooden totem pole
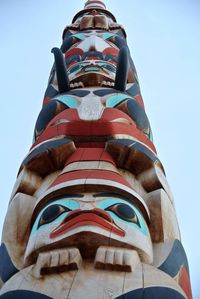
91, 214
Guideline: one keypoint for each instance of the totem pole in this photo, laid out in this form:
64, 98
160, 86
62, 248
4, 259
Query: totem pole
91, 214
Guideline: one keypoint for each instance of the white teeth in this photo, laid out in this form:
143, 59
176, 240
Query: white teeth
76, 85
81, 84
107, 83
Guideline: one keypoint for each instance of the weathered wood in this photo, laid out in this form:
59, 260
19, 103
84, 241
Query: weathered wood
99, 283
133, 182
27, 182
47, 181
105, 284
163, 225
91, 213
55, 286
154, 179
16, 227
49, 156
132, 155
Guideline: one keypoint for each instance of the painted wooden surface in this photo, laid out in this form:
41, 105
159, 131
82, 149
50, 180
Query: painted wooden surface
91, 214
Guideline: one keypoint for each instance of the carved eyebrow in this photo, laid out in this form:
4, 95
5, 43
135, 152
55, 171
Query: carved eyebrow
35, 215
109, 195
69, 196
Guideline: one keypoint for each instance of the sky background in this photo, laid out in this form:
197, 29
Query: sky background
164, 39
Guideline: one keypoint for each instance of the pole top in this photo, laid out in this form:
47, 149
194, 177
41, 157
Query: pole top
94, 5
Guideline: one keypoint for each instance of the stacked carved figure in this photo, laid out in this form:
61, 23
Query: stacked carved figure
91, 214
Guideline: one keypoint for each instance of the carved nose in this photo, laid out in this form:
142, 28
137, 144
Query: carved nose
94, 12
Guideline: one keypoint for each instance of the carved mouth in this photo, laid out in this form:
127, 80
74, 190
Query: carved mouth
77, 84
79, 218
92, 78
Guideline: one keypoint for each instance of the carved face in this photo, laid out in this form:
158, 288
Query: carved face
93, 19
92, 53
89, 221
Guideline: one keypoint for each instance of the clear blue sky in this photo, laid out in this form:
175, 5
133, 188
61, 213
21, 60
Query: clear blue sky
164, 38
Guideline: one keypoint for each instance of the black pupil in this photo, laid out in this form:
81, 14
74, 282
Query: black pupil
50, 213
125, 211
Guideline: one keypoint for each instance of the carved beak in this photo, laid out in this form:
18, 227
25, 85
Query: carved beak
79, 218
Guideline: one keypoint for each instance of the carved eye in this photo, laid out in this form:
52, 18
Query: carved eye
109, 67
125, 212
51, 213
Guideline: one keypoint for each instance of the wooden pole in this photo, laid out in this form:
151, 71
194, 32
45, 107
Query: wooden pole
91, 214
